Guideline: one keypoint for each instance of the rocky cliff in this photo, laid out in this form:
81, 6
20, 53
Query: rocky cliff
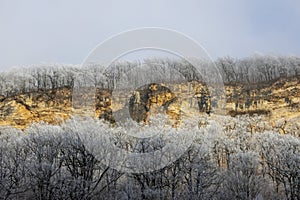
277, 101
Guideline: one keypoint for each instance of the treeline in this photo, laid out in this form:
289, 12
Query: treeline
256, 69
53, 162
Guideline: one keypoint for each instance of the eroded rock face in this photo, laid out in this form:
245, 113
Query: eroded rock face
53, 106
103, 105
152, 98
148, 99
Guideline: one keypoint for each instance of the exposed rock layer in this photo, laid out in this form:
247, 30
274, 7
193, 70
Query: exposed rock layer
279, 101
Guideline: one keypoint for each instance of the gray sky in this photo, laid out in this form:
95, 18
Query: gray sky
65, 31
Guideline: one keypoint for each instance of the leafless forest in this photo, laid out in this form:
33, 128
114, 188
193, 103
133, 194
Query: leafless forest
231, 158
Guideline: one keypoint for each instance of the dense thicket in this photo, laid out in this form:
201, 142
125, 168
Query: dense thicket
53, 162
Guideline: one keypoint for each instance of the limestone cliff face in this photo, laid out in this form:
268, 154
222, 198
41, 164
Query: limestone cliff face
103, 105
53, 106
278, 101
152, 98
143, 102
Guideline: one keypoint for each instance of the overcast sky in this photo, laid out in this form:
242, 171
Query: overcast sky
65, 31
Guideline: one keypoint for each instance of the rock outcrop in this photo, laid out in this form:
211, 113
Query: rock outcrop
277, 101
52, 106
152, 98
